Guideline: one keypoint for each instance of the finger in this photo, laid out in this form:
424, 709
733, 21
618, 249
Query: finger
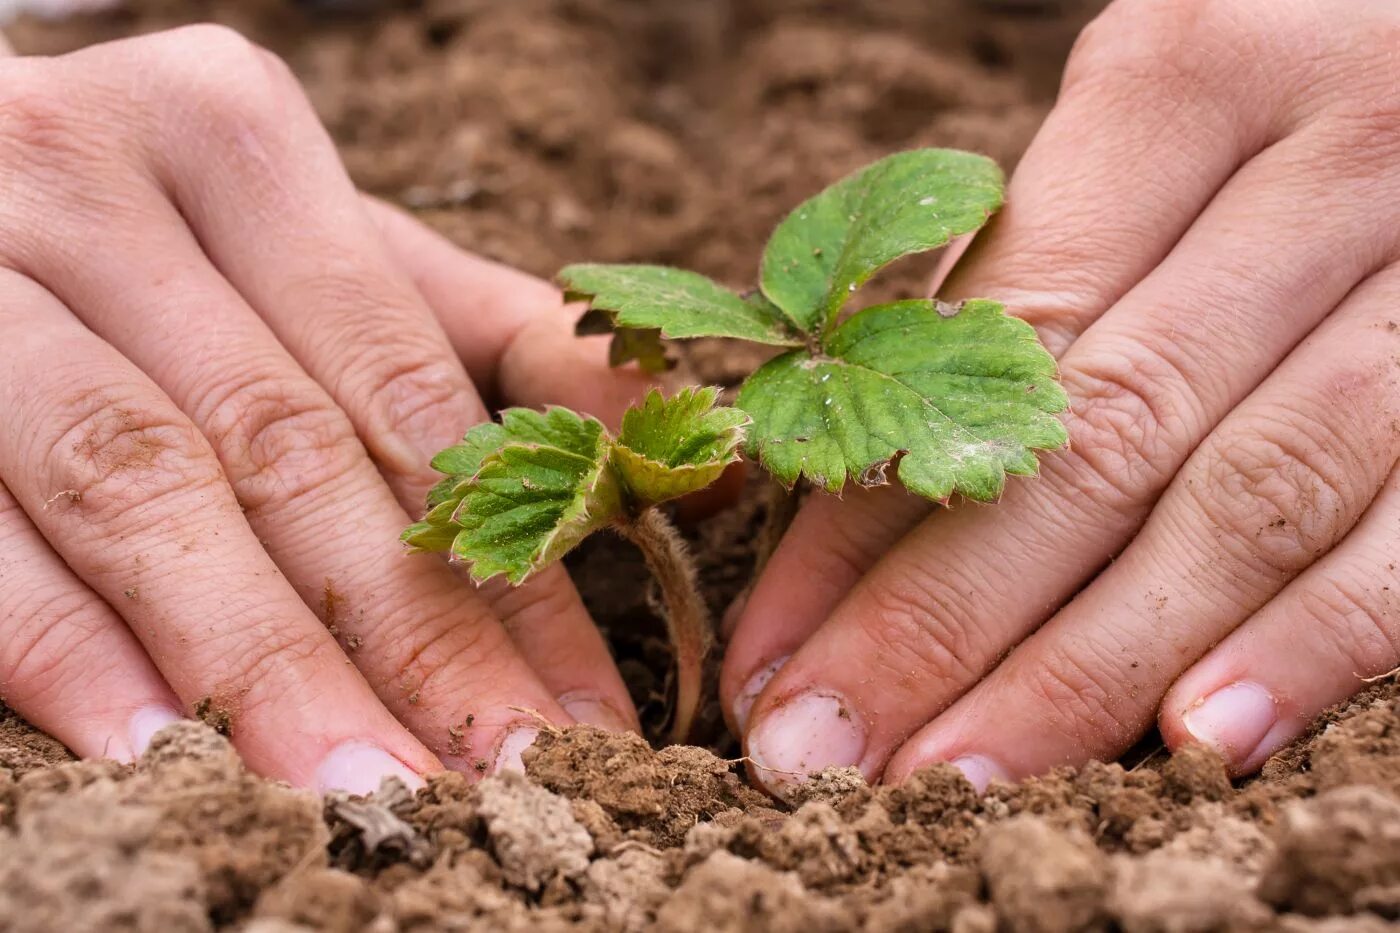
550, 627
141, 505
512, 330
1080, 228
1147, 382
829, 547
68, 663
1320, 641
1280, 482
277, 215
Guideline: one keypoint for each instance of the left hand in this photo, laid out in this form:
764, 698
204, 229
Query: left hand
1207, 232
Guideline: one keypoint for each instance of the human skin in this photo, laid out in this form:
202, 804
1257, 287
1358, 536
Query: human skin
224, 374
1206, 233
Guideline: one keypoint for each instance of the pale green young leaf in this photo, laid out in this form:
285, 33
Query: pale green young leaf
906, 203
963, 395
674, 303
672, 447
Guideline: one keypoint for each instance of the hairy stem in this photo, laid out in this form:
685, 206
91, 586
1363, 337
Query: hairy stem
687, 617
779, 509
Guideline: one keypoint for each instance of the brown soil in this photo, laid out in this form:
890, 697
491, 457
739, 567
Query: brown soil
546, 131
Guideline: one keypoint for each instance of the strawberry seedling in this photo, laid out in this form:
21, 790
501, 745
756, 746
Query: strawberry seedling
960, 395
520, 494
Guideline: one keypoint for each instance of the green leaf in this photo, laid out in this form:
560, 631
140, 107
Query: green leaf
519, 494
965, 395
673, 303
907, 203
672, 447
529, 505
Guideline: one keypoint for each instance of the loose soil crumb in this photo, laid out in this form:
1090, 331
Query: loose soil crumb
541, 132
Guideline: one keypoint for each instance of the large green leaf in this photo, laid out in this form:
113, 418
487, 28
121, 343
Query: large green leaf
907, 203
962, 395
672, 447
672, 303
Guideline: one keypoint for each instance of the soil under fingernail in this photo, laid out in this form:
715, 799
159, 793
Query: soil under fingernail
743, 703
802, 735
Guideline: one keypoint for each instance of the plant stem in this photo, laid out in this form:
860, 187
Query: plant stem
779, 509
687, 617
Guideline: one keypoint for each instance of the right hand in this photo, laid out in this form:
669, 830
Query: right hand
224, 373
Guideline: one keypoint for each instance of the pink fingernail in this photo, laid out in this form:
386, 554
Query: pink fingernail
145, 723
803, 736
512, 746
358, 767
743, 703
980, 771
594, 711
1233, 720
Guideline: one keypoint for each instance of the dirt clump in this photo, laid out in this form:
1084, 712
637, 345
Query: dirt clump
1043, 879
1337, 853
653, 796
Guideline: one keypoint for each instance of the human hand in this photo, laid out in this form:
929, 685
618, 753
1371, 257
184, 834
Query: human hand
224, 375
1206, 232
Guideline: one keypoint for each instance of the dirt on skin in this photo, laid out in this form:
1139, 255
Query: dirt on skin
546, 131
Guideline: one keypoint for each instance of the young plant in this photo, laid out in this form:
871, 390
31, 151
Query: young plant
961, 394
522, 493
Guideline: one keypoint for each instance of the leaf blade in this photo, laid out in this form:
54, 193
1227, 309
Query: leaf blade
675, 303
521, 493
670, 447
909, 202
961, 399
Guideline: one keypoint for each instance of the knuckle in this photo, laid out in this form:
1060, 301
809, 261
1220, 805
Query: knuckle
121, 462
224, 84
1277, 491
540, 598
1169, 46
270, 665
1128, 422
1089, 711
281, 441
1358, 629
36, 659
451, 660
416, 394
921, 628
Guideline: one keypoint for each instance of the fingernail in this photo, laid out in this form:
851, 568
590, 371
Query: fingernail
358, 767
513, 744
803, 736
743, 703
980, 771
145, 723
1233, 720
589, 709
